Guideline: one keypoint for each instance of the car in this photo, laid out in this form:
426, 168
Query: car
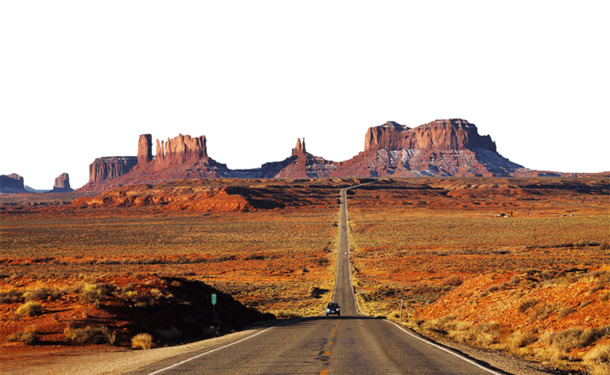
333, 308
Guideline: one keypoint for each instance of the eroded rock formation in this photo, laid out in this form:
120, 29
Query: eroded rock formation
443, 135
440, 148
145, 149
62, 183
108, 168
12, 183
181, 149
300, 148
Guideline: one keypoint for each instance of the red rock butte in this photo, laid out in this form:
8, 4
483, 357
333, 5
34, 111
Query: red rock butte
450, 147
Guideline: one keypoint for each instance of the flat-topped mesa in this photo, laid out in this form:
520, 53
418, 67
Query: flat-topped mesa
181, 149
300, 148
12, 183
107, 168
444, 135
389, 136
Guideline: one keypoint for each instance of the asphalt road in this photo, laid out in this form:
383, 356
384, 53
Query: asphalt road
349, 344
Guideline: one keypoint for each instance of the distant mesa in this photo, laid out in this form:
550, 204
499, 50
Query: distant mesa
440, 148
12, 184
442, 135
108, 168
62, 184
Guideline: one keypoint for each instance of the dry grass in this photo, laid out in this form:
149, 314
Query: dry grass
142, 341
598, 360
472, 259
29, 309
89, 335
269, 260
28, 336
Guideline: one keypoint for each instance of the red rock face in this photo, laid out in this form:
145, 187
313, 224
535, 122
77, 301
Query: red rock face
300, 148
108, 168
181, 149
62, 183
453, 134
12, 183
439, 148
145, 149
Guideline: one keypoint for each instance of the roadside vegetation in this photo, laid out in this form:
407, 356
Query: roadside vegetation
520, 270
84, 274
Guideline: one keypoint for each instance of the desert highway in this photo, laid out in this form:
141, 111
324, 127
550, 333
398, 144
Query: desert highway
349, 344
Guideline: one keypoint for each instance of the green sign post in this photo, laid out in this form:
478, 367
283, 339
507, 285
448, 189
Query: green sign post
214, 307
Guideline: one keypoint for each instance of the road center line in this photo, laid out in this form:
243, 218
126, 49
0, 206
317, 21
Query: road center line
344, 211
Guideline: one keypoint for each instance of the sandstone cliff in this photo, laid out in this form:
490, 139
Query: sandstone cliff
443, 135
145, 149
12, 183
440, 148
181, 149
450, 147
62, 184
299, 148
108, 168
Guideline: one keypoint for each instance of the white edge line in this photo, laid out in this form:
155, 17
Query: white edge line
402, 328
445, 349
208, 352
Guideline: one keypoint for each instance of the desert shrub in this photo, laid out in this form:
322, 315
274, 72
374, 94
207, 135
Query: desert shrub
484, 333
142, 341
595, 288
28, 309
598, 360
481, 334
527, 304
519, 340
605, 297
574, 337
459, 331
147, 299
130, 287
283, 314
95, 292
452, 281
493, 288
130, 294
28, 336
441, 325
591, 335
11, 296
89, 335
565, 311
543, 311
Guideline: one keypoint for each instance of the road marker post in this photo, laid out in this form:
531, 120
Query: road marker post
214, 308
401, 301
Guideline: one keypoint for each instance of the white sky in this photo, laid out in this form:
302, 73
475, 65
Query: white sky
82, 79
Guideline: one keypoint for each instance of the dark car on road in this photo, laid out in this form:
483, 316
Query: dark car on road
333, 308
